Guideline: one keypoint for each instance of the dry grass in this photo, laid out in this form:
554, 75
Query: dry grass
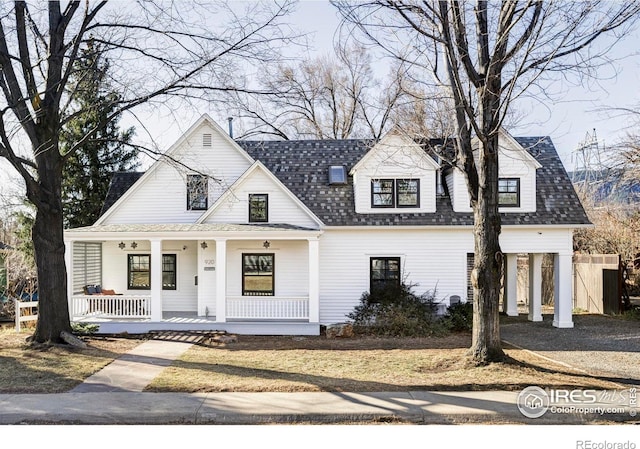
52, 369
292, 364
362, 364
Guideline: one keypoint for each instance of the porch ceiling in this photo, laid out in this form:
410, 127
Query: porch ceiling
191, 230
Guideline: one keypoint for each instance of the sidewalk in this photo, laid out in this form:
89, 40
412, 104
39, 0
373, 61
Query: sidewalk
114, 396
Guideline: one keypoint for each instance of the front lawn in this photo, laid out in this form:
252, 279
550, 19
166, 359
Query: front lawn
360, 364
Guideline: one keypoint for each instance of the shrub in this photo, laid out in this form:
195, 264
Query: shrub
459, 317
396, 311
632, 314
84, 328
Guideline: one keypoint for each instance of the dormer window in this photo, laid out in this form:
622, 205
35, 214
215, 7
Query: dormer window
509, 192
258, 208
337, 175
408, 192
382, 193
395, 193
197, 192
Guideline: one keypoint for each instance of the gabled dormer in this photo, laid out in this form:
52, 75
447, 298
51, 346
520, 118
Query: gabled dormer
516, 184
185, 181
395, 175
259, 197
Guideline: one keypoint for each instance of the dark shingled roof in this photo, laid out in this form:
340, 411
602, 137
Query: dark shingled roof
120, 183
303, 165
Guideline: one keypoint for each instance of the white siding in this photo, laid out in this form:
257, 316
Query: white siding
162, 198
513, 163
541, 240
291, 265
458, 191
432, 258
282, 208
393, 159
184, 298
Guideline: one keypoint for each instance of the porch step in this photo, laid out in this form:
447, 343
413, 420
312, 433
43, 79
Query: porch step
201, 338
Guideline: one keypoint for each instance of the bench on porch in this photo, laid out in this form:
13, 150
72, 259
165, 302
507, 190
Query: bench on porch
98, 290
104, 303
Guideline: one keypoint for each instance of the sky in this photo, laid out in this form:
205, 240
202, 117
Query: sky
573, 114
567, 120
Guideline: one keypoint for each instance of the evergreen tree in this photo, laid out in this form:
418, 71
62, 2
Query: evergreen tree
88, 172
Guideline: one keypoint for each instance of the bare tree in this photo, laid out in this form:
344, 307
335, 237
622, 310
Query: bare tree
326, 97
487, 54
160, 52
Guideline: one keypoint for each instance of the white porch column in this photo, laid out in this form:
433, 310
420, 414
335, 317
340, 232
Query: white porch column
221, 280
68, 262
535, 287
314, 280
563, 290
510, 301
156, 280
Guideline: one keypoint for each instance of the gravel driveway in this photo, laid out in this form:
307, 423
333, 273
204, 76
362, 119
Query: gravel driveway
597, 344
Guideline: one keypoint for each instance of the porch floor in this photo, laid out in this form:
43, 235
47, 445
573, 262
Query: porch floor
190, 321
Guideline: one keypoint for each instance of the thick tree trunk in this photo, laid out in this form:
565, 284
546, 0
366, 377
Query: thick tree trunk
487, 271
48, 243
486, 278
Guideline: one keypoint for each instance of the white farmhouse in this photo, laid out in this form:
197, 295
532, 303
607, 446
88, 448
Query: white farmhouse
279, 237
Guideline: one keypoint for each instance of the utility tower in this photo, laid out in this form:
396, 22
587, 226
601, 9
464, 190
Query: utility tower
587, 169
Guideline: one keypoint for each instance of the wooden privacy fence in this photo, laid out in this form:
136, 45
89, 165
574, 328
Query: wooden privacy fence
30, 316
589, 275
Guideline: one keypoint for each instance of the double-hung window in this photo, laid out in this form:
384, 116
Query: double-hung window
257, 275
384, 271
197, 192
395, 193
258, 208
509, 192
139, 272
408, 192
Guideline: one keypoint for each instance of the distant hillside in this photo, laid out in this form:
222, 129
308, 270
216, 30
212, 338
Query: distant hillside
610, 185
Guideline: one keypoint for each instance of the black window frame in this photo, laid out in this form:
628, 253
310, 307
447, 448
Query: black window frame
197, 203
505, 192
245, 291
376, 283
374, 193
394, 193
174, 272
130, 257
417, 192
252, 218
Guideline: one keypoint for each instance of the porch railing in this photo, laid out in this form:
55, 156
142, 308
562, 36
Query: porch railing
268, 307
111, 306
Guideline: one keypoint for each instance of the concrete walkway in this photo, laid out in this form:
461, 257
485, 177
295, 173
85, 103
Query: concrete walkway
136, 369
114, 396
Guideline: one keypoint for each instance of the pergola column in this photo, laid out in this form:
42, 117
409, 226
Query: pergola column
563, 290
156, 280
221, 280
314, 280
510, 301
535, 287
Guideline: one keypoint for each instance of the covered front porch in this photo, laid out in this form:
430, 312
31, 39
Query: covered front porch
240, 278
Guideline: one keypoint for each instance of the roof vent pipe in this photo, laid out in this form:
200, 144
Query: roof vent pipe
230, 126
